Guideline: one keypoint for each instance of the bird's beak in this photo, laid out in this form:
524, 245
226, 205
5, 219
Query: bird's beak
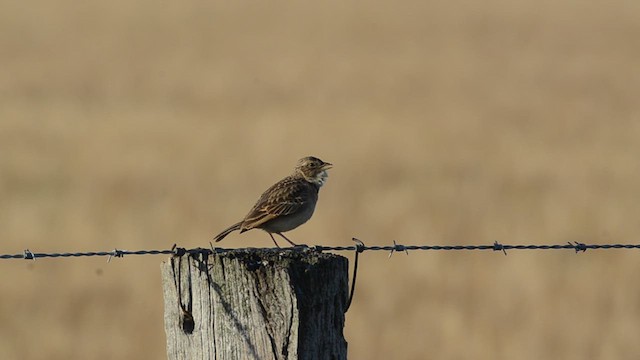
327, 166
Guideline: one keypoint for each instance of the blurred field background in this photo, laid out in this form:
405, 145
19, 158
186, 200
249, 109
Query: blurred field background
140, 124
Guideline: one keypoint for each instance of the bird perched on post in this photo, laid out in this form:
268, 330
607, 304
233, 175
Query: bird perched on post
287, 204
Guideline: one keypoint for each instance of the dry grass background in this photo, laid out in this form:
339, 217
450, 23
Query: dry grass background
139, 124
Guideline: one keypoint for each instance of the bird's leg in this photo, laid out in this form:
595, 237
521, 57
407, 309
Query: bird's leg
290, 242
274, 240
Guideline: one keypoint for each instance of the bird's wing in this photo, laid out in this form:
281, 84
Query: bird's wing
284, 198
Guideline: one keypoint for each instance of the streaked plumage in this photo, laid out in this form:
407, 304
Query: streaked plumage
287, 204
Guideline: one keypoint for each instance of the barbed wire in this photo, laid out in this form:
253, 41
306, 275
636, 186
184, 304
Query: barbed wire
359, 247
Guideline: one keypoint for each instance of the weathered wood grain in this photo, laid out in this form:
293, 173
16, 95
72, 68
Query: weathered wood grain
256, 304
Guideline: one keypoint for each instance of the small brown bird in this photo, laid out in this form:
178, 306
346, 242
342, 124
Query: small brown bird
287, 204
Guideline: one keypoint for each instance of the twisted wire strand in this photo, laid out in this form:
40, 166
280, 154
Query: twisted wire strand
177, 251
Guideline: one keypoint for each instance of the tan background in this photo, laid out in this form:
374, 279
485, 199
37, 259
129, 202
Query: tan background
140, 124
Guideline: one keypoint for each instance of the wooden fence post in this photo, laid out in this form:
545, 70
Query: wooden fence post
255, 304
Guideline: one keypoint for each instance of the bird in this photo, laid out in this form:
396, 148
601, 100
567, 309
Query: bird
287, 204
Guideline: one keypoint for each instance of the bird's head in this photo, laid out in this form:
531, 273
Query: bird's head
313, 170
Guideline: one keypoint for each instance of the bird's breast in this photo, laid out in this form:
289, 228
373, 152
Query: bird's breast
291, 221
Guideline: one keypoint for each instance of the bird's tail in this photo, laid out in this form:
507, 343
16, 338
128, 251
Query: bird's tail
227, 231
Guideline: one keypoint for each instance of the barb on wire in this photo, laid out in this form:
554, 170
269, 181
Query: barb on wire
358, 248
579, 246
398, 247
29, 255
115, 253
498, 247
